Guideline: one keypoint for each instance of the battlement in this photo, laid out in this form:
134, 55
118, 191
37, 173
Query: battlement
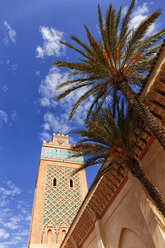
58, 140
59, 149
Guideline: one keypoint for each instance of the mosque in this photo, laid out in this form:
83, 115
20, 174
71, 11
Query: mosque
116, 212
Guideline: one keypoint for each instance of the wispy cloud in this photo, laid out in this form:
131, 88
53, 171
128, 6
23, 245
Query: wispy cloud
37, 73
139, 15
14, 222
14, 116
14, 217
13, 67
3, 117
3, 234
48, 86
51, 43
10, 34
8, 191
8, 118
56, 118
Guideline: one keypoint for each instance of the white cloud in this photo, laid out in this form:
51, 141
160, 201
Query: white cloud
37, 73
14, 241
124, 10
28, 218
139, 15
56, 122
12, 189
14, 220
10, 34
51, 43
3, 116
14, 116
8, 191
57, 117
6, 118
13, 67
45, 136
4, 234
48, 86
22, 206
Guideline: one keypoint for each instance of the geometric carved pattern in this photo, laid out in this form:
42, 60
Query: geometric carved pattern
59, 154
61, 202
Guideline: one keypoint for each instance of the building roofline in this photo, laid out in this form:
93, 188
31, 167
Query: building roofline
100, 181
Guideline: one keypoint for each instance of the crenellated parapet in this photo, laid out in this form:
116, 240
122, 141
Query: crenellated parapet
58, 140
59, 149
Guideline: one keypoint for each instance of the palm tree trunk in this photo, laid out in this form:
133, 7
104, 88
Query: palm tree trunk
144, 113
137, 170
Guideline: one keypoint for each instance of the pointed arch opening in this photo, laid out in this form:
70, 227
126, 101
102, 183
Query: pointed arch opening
54, 182
63, 234
49, 236
71, 183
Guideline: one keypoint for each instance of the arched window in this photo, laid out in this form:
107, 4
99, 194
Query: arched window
63, 234
49, 237
71, 183
54, 182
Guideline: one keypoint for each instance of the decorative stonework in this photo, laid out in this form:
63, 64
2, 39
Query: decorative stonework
61, 202
58, 193
59, 154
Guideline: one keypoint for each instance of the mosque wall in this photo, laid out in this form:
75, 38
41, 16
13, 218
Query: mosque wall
132, 220
153, 162
91, 241
138, 226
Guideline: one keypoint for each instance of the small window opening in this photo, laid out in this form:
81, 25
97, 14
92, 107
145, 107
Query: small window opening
49, 237
71, 183
63, 234
54, 182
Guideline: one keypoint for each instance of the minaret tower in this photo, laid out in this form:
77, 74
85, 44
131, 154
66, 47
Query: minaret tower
58, 193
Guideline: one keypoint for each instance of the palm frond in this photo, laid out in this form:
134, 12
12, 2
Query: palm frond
139, 33
125, 24
76, 49
68, 91
76, 80
108, 135
80, 100
121, 55
87, 48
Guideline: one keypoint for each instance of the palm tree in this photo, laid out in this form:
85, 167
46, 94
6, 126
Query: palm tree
109, 139
119, 60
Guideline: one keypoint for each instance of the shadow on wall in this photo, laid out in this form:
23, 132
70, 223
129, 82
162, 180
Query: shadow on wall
129, 239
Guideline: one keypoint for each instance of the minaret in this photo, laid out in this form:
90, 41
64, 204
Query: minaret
58, 193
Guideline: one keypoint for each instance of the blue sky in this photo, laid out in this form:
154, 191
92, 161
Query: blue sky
30, 31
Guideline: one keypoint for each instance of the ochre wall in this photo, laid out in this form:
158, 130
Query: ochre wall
154, 164
125, 223
91, 241
37, 218
44, 246
36, 221
125, 213
129, 239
